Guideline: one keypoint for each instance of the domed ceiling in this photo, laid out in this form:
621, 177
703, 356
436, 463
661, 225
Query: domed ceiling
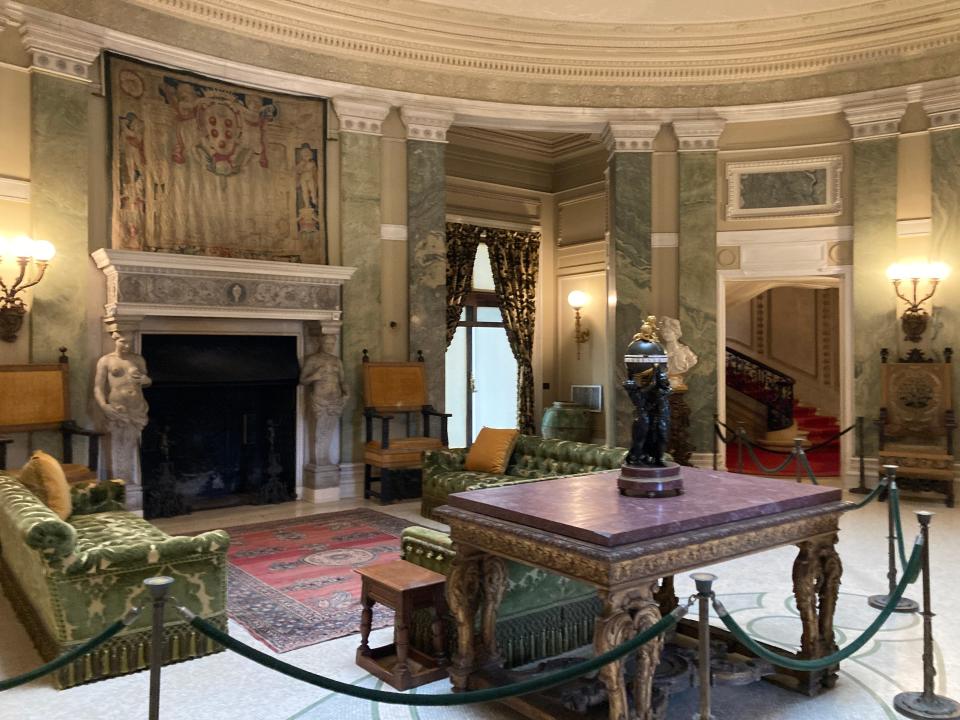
607, 53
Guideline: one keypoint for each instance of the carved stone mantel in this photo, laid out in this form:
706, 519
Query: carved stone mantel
143, 284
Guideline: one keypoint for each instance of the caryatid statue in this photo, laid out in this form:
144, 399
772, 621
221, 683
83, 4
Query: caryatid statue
118, 389
322, 375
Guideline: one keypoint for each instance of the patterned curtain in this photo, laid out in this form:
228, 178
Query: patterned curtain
515, 260
462, 241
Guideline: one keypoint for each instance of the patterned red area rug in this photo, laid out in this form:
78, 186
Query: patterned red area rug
292, 582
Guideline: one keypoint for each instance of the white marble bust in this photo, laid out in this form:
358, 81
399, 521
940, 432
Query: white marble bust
680, 358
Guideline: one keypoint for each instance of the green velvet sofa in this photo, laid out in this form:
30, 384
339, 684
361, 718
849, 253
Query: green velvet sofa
68, 580
542, 614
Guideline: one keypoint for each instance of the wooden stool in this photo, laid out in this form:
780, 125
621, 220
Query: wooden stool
405, 587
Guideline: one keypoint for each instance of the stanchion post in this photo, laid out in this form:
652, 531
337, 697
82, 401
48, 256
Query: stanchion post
716, 444
797, 452
158, 586
879, 602
926, 704
861, 488
704, 582
740, 434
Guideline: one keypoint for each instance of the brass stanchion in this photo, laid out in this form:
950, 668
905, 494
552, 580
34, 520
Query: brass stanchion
797, 452
880, 601
861, 488
158, 586
926, 704
704, 583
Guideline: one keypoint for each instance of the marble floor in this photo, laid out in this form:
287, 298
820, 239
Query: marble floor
757, 588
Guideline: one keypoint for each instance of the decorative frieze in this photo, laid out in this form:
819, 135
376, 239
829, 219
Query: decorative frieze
943, 107
361, 116
428, 124
634, 137
784, 188
872, 119
56, 48
698, 135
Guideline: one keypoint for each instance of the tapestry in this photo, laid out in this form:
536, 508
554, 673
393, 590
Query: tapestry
204, 167
292, 583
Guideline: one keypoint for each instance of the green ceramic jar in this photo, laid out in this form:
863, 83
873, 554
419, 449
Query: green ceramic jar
566, 421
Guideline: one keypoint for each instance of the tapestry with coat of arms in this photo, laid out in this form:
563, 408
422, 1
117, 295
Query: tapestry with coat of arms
203, 167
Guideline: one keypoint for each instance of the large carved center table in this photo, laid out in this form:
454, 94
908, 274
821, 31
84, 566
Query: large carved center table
581, 527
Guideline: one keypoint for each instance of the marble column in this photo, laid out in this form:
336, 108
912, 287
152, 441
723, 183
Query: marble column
944, 243
360, 165
874, 323
59, 165
697, 275
426, 241
629, 188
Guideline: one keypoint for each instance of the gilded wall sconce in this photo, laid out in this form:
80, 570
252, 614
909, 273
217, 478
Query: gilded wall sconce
34, 255
915, 319
577, 299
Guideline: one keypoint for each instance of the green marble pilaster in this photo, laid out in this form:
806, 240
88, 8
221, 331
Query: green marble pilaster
58, 187
945, 243
360, 164
427, 260
697, 288
630, 253
874, 248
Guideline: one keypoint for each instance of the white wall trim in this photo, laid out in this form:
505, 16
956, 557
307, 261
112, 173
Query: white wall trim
664, 239
393, 232
914, 228
826, 233
14, 190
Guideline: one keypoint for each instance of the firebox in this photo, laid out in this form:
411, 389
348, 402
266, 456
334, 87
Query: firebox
222, 425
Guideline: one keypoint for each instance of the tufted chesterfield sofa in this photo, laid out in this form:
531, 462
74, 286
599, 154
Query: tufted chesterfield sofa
542, 614
68, 580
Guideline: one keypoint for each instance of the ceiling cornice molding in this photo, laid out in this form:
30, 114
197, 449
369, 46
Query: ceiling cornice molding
361, 115
875, 118
426, 123
54, 48
698, 135
630, 137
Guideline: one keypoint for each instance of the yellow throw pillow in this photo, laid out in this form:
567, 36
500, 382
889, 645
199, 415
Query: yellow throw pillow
491, 450
44, 477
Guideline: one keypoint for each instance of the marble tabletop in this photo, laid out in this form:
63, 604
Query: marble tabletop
590, 507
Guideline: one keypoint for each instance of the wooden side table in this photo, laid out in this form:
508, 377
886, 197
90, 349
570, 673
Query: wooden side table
405, 587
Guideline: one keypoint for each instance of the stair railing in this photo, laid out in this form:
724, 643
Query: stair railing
764, 384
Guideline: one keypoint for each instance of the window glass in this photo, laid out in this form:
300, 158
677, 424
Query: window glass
489, 314
482, 274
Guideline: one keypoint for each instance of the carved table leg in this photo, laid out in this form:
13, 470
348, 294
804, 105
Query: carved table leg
463, 598
816, 585
494, 584
624, 614
366, 622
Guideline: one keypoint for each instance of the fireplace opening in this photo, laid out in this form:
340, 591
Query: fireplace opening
222, 427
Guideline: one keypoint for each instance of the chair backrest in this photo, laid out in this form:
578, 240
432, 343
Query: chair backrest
916, 397
394, 386
34, 397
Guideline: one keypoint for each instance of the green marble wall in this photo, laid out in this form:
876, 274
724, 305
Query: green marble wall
427, 260
630, 185
697, 288
58, 186
874, 248
360, 238
945, 244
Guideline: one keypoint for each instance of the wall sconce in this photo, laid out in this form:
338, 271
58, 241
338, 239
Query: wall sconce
577, 299
915, 318
26, 252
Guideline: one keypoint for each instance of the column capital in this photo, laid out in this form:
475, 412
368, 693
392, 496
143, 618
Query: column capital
632, 137
358, 115
54, 47
874, 119
426, 123
943, 108
698, 135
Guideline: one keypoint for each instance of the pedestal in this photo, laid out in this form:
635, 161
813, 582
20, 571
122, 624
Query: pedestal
321, 483
678, 444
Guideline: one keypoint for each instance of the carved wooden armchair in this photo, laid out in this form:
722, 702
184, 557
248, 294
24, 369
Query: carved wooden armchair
396, 387
917, 421
37, 397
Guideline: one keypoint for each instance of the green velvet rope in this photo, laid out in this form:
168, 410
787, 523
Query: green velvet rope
71, 655
894, 500
869, 498
806, 464
764, 468
462, 698
909, 576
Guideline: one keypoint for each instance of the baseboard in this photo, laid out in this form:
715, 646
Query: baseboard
325, 495
705, 461
351, 480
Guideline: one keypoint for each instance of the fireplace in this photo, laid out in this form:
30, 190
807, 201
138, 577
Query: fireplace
223, 422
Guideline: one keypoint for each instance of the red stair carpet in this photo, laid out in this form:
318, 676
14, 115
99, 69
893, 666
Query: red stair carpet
825, 461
